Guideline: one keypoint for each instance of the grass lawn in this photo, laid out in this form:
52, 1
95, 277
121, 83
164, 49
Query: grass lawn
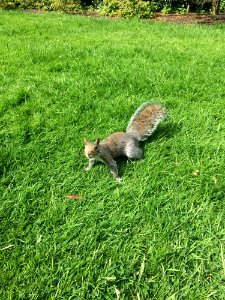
161, 234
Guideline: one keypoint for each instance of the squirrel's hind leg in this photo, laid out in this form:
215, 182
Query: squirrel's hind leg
133, 151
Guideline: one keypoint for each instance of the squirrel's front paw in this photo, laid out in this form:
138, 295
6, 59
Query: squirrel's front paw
87, 168
119, 180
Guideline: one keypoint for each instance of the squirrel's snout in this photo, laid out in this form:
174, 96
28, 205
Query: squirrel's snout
90, 154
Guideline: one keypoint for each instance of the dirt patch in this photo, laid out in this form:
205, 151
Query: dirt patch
176, 18
33, 11
190, 18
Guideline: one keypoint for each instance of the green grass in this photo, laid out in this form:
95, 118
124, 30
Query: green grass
161, 235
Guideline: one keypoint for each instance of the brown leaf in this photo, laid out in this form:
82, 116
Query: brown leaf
74, 197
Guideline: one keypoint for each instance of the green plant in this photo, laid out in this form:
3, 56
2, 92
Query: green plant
167, 9
68, 6
126, 8
222, 6
109, 7
182, 10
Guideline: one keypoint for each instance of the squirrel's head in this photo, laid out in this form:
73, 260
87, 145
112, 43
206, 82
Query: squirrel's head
91, 148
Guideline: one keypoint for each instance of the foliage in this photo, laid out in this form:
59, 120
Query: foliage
68, 6
164, 6
180, 6
222, 6
126, 8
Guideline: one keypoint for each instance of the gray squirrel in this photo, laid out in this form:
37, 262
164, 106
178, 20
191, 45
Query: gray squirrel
141, 125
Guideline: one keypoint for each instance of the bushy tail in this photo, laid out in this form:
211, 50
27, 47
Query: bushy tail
145, 120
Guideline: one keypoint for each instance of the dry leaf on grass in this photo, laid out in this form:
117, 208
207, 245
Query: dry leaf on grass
75, 197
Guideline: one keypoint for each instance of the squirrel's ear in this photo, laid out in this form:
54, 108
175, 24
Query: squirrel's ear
97, 141
85, 141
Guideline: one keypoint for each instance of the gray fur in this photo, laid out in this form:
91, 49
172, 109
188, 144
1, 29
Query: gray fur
158, 116
137, 113
156, 122
132, 149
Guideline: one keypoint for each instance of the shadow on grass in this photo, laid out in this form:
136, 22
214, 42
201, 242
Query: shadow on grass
167, 130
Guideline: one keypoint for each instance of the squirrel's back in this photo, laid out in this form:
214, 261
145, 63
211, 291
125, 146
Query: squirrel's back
145, 120
120, 143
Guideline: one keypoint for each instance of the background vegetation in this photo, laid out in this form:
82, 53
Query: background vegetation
121, 8
161, 235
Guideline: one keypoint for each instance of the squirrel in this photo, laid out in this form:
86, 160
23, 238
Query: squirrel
141, 125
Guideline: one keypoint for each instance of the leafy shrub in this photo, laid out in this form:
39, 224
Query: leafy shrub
24, 4
180, 6
126, 8
121, 8
68, 6
222, 6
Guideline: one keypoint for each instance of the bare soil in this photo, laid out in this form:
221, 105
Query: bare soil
190, 18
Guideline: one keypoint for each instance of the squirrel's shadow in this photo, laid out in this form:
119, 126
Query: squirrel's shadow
167, 130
